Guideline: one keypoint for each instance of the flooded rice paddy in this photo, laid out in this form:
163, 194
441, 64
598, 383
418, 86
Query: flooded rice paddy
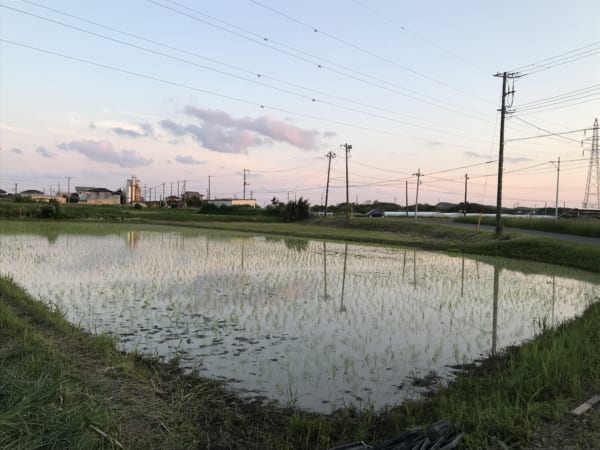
317, 324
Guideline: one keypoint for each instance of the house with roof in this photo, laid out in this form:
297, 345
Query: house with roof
39, 196
97, 196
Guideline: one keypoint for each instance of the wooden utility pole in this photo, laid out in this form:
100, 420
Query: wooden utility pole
557, 180
209, 177
465, 208
501, 157
245, 184
418, 175
182, 198
348, 147
406, 192
503, 111
329, 155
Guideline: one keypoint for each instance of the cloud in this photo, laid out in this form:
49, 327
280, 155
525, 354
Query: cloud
220, 132
18, 151
141, 130
6, 127
329, 134
517, 159
103, 151
476, 155
43, 151
187, 160
173, 127
435, 143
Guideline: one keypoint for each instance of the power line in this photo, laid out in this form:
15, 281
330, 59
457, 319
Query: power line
546, 135
550, 60
545, 130
560, 106
342, 70
186, 61
552, 98
205, 91
231, 66
221, 72
552, 102
417, 35
363, 50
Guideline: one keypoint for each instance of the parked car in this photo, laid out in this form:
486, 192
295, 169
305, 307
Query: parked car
376, 213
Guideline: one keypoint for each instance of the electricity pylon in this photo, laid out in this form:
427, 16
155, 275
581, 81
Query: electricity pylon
592, 187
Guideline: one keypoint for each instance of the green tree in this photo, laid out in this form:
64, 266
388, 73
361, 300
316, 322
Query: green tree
295, 211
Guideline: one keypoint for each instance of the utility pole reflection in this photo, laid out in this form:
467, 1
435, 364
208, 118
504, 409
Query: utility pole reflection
553, 297
462, 278
495, 309
242, 255
342, 307
325, 270
415, 268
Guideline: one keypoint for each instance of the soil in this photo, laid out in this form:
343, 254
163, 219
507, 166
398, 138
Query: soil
569, 432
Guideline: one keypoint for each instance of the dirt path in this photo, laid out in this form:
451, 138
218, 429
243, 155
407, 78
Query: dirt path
569, 432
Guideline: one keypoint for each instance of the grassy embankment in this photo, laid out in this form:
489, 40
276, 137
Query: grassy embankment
578, 227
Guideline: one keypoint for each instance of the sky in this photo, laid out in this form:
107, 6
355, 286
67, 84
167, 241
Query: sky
181, 91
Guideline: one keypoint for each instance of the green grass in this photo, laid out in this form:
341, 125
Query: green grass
578, 227
43, 403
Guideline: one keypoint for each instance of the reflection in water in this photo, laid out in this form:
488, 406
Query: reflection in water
553, 297
269, 332
342, 307
242, 266
325, 296
462, 278
133, 237
495, 309
299, 245
415, 268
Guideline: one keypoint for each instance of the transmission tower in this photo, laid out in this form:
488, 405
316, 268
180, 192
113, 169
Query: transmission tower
592, 187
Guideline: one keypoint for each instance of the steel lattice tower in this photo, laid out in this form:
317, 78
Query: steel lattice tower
592, 187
